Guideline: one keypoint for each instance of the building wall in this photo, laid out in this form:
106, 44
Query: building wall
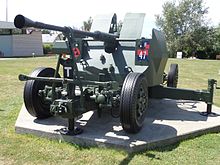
6, 45
27, 44
21, 45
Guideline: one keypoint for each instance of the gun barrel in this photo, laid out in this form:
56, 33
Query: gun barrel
21, 21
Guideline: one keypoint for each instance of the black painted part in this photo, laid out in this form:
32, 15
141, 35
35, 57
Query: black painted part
211, 85
173, 76
209, 108
35, 104
208, 111
99, 112
21, 22
128, 103
71, 130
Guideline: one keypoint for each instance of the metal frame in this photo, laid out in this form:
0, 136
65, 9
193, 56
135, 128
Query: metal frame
206, 96
105, 92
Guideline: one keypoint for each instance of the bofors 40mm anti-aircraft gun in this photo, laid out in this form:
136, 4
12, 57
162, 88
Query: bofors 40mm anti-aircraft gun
103, 70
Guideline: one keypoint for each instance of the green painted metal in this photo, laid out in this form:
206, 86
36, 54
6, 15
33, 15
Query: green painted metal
95, 69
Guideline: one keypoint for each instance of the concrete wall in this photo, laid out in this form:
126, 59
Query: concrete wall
22, 45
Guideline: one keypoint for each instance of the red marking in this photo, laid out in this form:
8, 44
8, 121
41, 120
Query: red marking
147, 46
76, 52
144, 52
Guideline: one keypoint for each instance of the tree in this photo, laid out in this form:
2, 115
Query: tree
87, 24
185, 27
45, 31
217, 40
207, 38
119, 26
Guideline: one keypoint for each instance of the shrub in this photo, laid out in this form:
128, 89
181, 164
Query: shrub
47, 48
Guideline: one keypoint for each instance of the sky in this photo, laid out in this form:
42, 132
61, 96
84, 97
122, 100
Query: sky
74, 12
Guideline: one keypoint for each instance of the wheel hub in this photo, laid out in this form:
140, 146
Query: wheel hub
141, 103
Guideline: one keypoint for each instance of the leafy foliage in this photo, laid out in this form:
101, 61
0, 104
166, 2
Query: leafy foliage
216, 44
186, 28
47, 48
87, 24
119, 26
45, 31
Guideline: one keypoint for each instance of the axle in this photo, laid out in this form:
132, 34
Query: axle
107, 84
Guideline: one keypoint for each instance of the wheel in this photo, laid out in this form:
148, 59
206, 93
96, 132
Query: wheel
173, 76
133, 102
35, 104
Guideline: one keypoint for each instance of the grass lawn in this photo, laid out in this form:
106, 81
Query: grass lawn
28, 149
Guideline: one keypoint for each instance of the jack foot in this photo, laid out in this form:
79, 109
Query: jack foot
208, 114
75, 131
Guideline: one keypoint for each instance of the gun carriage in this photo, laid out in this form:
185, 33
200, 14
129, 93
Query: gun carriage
104, 70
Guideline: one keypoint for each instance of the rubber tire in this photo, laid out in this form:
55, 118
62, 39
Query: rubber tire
173, 76
34, 104
128, 102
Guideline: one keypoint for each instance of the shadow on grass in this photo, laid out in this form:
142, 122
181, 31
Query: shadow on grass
148, 153
130, 156
82, 147
128, 159
1, 110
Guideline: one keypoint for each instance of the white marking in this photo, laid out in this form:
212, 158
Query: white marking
68, 70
